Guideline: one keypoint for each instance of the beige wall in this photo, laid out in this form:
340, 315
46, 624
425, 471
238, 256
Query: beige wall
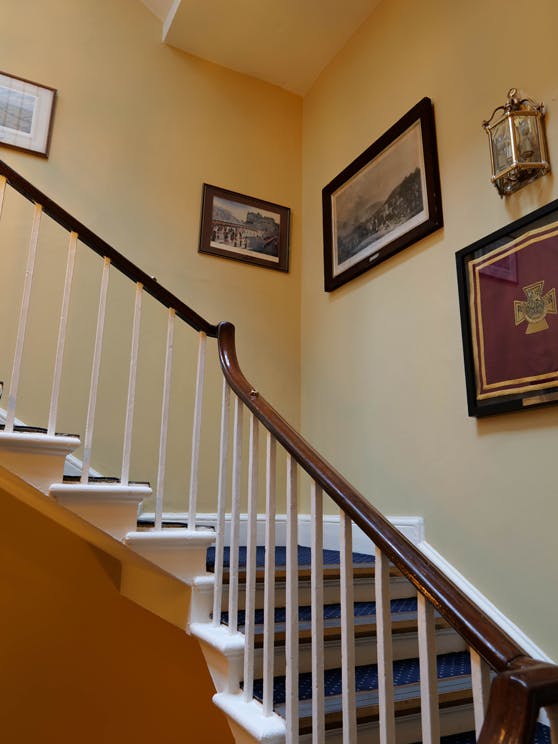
139, 127
81, 663
385, 351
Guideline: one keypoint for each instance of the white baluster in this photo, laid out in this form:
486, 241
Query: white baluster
428, 672
129, 423
348, 692
62, 328
221, 503
95, 369
317, 593
235, 517
160, 492
3, 182
23, 315
269, 579
194, 465
250, 605
385, 651
291, 639
480, 679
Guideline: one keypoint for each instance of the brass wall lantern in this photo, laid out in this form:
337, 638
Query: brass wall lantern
518, 152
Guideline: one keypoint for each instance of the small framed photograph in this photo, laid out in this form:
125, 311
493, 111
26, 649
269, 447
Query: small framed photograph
26, 112
509, 315
385, 200
244, 228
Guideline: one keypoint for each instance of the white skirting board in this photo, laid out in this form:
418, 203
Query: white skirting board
411, 527
487, 607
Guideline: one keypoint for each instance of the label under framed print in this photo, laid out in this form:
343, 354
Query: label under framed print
509, 315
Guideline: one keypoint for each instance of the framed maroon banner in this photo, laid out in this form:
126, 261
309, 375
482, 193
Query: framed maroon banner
509, 315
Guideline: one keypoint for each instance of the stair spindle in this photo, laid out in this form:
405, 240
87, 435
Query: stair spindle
291, 639
480, 679
235, 516
23, 316
348, 693
95, 369
269, 576
252, 541
129, 423
221, 503
3, 182
62, 328
384, 649
430, 715
160, 490
317, 592
194, 465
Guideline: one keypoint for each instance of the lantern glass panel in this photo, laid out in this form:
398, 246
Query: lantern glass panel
502, 150
527, 139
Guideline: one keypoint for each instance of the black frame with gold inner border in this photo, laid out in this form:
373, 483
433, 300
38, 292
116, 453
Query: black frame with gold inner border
508, 282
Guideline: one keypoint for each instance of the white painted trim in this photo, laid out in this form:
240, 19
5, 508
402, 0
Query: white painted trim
72, 466
411, 527
168, 21
488, 608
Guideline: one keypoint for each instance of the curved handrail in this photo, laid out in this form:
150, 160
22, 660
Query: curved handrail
500, 651
103, 249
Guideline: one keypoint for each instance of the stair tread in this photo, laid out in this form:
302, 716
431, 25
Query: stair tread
331, 558
542, 736
20, 429
453, 682
101, 479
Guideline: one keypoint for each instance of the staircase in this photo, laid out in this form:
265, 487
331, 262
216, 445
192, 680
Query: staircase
304, 643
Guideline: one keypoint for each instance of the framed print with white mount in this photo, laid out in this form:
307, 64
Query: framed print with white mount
385, 200
26, 111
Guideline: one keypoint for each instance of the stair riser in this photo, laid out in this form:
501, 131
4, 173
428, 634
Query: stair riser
452, 721
405, 646
363, 592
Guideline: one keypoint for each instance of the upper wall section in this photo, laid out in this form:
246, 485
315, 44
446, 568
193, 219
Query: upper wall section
385, 350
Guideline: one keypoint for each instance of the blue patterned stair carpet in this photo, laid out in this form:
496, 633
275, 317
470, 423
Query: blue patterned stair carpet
542, 736
364, 613
454, 672
331, 558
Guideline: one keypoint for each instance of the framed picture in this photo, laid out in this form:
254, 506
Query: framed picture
385, 200
244, 228
26, 110
509, 315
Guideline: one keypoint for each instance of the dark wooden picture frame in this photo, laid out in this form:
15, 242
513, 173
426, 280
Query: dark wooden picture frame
509, 316
26, 114
385, 200
244, 228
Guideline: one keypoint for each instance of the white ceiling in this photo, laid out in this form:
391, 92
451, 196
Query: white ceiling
284, 42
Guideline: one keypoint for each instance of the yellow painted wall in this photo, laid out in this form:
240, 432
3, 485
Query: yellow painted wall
139, 127
385, 351
81, 663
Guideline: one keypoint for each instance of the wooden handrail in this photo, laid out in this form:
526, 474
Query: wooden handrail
480, 632
103, 249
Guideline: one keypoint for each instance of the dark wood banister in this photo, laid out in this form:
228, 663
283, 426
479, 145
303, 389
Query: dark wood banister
531, 684
103, 249
523, 685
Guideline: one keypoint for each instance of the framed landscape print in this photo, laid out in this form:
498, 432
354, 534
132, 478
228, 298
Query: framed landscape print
385, 200
244, 228
26, 111
509, 315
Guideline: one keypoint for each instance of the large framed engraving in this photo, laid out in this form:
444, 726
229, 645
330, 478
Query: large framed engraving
509, 315
385, 200
26, 111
